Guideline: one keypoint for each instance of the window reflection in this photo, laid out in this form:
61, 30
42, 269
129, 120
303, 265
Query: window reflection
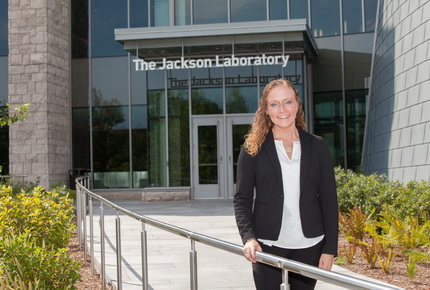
110, 77
370, 7
218, 12
328, 123
248, 10
157, 160
241, 95
139, 137
3, 28
325, 17
299, 9
106, 15
352, 16
139, 13
182, 12
278, 9
3, 80
206, 91
159, 12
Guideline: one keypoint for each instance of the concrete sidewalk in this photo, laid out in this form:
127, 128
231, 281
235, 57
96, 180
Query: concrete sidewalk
168, 254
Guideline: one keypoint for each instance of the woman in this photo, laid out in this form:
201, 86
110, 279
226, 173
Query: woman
294, 212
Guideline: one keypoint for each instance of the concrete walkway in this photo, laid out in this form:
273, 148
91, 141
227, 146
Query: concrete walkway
168, 254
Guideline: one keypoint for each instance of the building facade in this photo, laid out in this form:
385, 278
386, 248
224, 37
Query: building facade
398, 125
156, 95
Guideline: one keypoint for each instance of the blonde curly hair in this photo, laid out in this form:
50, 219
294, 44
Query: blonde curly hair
262, 123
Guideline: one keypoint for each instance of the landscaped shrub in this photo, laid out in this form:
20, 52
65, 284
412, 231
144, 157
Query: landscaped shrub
400, 218
35, 228
34, 263
46, 215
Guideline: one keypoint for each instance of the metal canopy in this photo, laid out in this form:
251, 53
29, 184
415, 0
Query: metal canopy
239, 38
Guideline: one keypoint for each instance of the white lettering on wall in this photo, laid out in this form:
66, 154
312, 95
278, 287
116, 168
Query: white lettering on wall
182, 63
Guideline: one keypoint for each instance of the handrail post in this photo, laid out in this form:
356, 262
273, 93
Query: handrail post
285, 285
193, 266
91, 235
118, 251
84, 221
78, 216
144, 245
102, 246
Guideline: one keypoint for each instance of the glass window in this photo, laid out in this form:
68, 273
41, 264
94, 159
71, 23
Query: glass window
269, 73
3, 27
157, 159
248, 10
106, 15
3, 80
328, 123
352, 16
81, 138
139, 13
79, 14
179, 128
218, 11
206, 91
109, 96
325, 17
299, 9
4, 148
241, 95
356, 119
111, 153
110, 79
278, 9
370, 7
160, 13
139, 141
182, 12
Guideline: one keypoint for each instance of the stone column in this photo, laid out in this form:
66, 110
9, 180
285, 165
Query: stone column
39, 74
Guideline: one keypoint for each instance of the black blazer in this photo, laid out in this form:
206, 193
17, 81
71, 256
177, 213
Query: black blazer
262, 217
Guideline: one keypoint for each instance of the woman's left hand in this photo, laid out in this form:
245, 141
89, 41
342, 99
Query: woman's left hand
326, 261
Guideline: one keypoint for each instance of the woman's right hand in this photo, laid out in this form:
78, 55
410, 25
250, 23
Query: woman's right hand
249, 249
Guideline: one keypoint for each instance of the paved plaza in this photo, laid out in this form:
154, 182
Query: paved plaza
168, 253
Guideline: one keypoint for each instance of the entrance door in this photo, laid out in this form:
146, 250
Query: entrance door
237, 128
216, 145
208, 157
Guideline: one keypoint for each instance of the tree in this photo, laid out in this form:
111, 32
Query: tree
9, 116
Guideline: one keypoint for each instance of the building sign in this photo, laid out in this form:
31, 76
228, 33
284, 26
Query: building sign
183, 63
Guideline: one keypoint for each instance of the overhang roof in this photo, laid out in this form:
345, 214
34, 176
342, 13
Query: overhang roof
239, 38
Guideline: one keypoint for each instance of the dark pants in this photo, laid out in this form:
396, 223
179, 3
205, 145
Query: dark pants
267, 277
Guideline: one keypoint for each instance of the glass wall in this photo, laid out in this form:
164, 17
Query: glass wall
110, 122
106, 15
218, 11
139, 13
3, 27
179, 128
248, 10
325, 17
4, 132
352, 16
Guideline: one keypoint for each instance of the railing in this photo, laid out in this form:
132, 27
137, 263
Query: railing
85, 207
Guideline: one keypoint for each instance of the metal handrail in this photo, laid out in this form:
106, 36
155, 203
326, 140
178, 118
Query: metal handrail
84, 195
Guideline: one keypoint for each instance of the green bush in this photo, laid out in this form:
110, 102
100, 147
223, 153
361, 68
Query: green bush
33, 263
376, 193
35, 228
46, 215
399, 223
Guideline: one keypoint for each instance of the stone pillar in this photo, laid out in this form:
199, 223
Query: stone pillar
39, 74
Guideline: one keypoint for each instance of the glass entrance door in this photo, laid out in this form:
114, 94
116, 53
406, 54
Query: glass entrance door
216, 145
208, 157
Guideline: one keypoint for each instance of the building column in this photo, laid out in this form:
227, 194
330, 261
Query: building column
39, 74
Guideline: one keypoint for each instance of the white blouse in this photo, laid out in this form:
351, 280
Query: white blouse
291, 235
